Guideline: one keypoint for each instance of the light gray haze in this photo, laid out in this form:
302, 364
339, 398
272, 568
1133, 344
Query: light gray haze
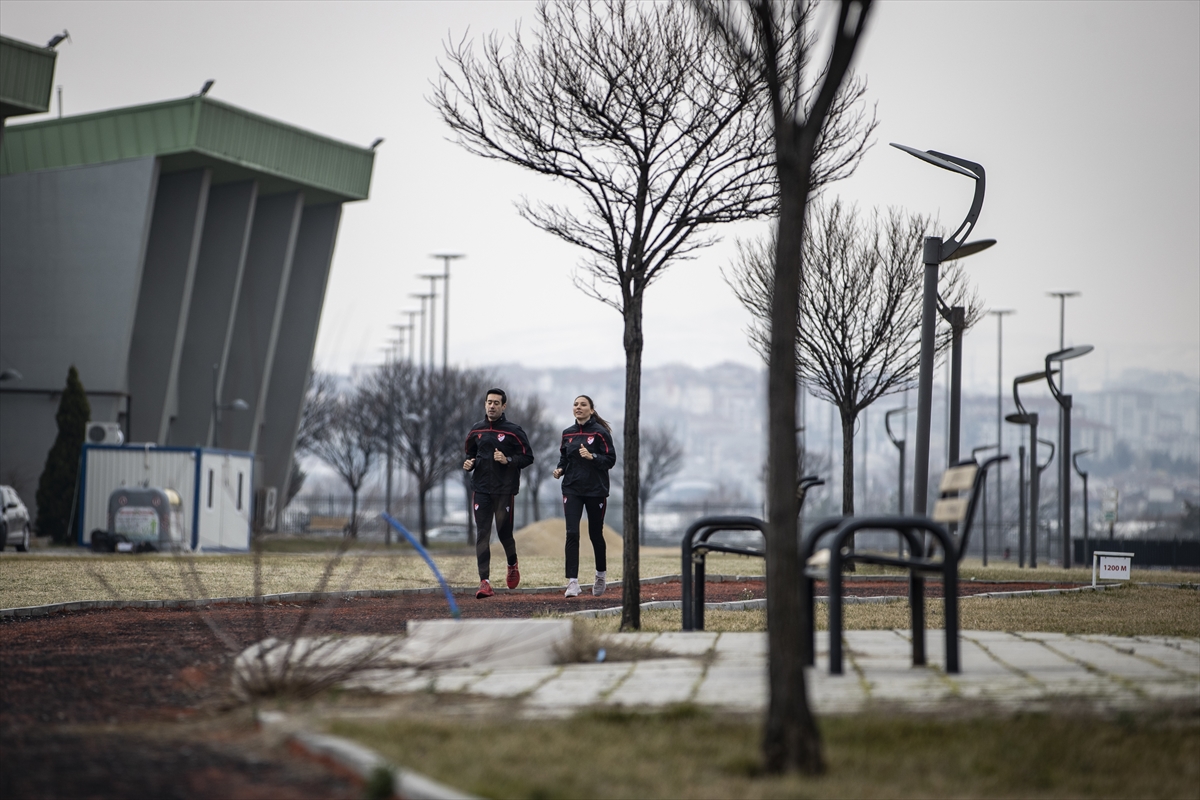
1085, 115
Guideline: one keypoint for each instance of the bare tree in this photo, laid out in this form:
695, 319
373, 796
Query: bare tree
776, 41
544, 440
859, 318
662, 458
320, 402
350, 444
431, 414
661, 131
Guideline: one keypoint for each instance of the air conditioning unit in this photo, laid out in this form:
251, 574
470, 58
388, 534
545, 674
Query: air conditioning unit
265, 509
105, 433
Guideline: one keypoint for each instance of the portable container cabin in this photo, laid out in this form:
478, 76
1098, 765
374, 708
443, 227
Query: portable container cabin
214, 489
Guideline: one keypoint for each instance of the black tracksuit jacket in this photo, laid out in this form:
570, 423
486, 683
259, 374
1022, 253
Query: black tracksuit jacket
581, 477
485, 438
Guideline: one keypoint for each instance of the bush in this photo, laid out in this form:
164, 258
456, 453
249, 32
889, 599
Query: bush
56, 487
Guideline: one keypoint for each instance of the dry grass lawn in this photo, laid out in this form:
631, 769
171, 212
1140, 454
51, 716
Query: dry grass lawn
688, 752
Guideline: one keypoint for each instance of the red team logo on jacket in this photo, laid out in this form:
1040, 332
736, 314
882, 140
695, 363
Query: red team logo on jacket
591, 439
500, 437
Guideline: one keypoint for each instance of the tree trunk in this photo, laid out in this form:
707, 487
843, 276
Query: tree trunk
791, 740
631, 595
470, 510
847, 463
354, 513
533, 494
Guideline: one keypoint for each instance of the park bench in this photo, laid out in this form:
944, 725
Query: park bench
960, 491
696, 546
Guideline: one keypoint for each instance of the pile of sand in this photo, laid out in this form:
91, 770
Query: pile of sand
548, 537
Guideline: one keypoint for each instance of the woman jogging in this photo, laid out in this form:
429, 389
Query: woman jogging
587, 454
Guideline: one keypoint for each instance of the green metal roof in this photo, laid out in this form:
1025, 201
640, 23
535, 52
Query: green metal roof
26, 77
196, 132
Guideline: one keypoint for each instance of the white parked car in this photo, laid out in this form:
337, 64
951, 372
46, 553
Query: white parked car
14, 525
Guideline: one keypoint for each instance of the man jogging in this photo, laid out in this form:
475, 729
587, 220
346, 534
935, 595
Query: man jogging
497, 451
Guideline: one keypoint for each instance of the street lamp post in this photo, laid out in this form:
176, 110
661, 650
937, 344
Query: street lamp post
1064, 474
937, 251
217, 407
1000, 314
1030, 418
1086, 529
974, 458
433, 279
421, 349
412, 332
900, 445
446, 259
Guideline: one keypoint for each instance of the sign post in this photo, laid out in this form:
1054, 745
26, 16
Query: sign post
1112, 566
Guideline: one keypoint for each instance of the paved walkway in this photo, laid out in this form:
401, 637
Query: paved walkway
728, 670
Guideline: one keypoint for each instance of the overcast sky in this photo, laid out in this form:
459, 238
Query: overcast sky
1085, 115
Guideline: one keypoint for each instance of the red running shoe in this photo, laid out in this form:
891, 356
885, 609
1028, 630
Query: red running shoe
485, 590
514, 576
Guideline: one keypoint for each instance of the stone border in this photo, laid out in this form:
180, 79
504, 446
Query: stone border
746, 605
359, 761
306, 597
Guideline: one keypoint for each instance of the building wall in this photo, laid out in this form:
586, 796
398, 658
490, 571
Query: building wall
72, 244
145, 281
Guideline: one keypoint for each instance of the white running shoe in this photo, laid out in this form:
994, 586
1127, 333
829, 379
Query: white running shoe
599, 584
572, 588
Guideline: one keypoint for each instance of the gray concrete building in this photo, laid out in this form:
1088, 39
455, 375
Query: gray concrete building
177, 254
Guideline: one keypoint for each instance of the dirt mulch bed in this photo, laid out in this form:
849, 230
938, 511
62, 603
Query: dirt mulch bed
135, 702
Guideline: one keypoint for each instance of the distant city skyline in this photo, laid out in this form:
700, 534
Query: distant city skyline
1086, 116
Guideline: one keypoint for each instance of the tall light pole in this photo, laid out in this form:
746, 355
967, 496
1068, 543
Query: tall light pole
936, 252
1000, 314
412, 332
433, 279
975, 458
446, 259
900, 444
1064, 449
1086, 529
1064, 444
1030, 418
389, 368
421, 350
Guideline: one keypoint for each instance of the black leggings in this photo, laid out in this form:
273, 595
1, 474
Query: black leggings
573, 509
486, 507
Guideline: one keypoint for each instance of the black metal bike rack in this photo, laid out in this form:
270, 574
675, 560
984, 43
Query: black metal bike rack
696, 547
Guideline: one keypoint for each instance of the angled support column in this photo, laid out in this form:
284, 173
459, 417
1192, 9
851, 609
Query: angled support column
164, 300
297, 338
219, 271
259, 312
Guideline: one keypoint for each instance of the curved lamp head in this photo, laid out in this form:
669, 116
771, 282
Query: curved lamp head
887, 423
963, 167
1060, 356
239, 405
11, 375
1070, 352
1075, 461
1027, 378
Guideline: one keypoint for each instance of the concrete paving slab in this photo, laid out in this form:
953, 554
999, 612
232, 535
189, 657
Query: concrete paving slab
658, 682
494, 642
741, 644
579, 685
514, 681
691, 643
1006, 670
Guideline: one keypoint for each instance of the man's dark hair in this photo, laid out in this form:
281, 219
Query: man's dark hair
503, 396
